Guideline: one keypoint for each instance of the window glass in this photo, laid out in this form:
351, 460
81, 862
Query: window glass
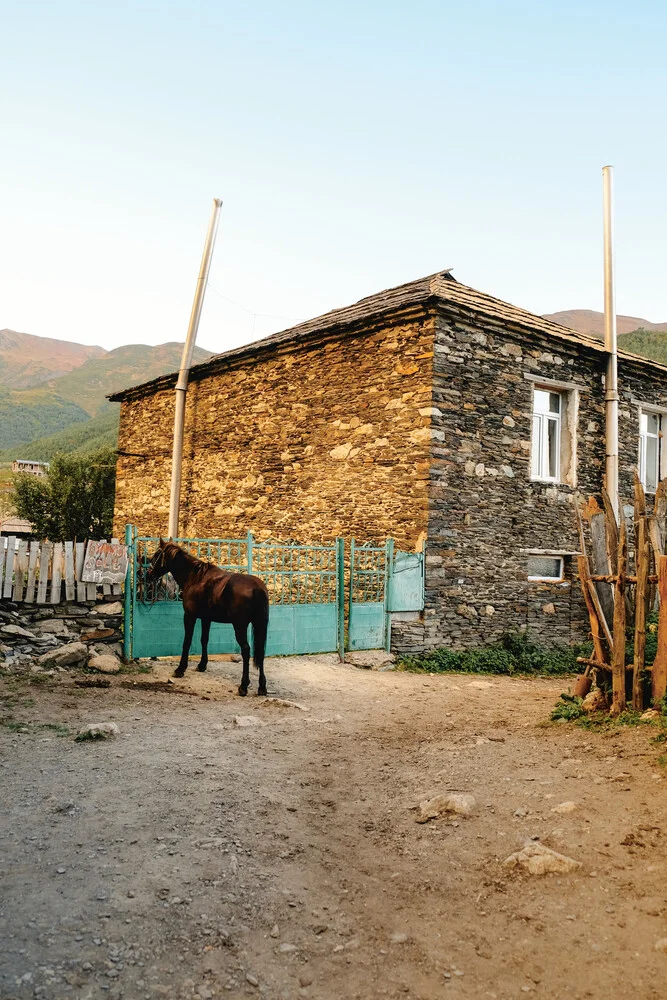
553, 438
546, 438
651, 475
650, 448
545, 567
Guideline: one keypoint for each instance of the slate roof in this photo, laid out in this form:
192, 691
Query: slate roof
440, 287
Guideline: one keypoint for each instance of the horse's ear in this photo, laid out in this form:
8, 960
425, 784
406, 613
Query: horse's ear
161, 543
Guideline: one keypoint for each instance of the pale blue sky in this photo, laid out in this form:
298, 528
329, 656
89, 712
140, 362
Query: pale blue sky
355, 146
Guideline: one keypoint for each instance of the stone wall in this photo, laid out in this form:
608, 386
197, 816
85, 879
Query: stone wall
303, 443
484, 508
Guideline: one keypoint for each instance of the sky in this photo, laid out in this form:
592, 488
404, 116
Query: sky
355, 146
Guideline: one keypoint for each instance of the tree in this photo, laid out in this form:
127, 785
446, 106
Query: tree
74, 500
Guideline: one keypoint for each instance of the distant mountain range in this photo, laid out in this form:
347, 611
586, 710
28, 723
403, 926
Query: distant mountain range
52, 393
635, 335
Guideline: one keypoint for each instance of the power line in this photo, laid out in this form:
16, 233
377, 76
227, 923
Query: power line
251, 312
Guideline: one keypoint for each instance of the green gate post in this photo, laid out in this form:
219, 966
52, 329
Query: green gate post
389, 572
249, 546
127, 618
340, 595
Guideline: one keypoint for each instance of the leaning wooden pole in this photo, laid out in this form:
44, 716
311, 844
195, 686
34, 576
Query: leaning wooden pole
642, 562
618, 652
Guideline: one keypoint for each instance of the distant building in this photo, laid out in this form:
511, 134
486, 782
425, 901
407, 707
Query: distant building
13, 525
27, 465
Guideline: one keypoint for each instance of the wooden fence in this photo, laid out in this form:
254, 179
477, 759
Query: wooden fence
623, 577
35, 572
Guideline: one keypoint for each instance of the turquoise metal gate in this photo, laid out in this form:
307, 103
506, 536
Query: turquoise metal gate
305, 584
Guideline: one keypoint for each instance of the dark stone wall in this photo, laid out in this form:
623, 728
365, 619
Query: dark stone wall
484, 508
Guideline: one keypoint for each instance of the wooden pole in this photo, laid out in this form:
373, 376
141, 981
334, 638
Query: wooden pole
659, 674
618, 652
642, 561
598, 649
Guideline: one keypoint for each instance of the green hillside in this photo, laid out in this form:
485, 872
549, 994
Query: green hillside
97, 432
88, 384
29, 413
650, 344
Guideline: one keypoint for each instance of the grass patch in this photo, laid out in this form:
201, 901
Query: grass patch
515, 654
14, 726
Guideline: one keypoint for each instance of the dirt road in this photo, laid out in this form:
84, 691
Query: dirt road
193, 857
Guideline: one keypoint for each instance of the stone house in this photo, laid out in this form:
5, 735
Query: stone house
431, 413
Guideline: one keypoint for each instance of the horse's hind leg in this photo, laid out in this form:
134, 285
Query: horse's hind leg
241, 633
205, 629
189, 622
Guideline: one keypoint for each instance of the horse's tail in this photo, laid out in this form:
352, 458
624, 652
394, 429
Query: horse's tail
260, 627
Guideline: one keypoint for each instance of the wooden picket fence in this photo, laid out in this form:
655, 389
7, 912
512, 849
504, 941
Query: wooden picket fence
35, 572
623, 576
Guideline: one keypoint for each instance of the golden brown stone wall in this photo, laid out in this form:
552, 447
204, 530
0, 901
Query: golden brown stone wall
318, 441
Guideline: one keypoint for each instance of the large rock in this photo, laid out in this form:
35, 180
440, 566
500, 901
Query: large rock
16, 630
460, 803
105, 664
98, 731
54, 627
72, 655
115, 608
537, 859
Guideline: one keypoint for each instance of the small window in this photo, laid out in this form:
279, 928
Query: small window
650, 449
546, 442
545, 568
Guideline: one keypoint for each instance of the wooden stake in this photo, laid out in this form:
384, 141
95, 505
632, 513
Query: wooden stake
659, 674
643, 563
618, 652
598, 649
612, 531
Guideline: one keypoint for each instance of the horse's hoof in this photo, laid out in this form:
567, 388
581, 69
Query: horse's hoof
179, 673
243, 691
201, 669
262, 692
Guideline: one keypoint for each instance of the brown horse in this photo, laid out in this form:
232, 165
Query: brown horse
214, 595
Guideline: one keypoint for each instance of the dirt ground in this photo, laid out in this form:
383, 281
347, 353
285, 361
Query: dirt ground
193, 857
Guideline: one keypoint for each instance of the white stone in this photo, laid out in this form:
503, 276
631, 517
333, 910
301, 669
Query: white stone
18, 631
480, 685
489, 610
113, 608
564, 807
507, 471
98, 731
341, 452
479, 469
55, 627
105, 664
661, 945
246, 721
509, 421
73, 654
537, 859
460, 803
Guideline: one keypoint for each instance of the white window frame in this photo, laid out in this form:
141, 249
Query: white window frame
539, 463
658, 437
548, 579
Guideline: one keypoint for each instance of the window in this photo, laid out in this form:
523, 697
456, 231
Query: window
650, 450
545, 568
546, 443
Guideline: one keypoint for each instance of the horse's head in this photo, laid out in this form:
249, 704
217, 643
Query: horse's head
160, 561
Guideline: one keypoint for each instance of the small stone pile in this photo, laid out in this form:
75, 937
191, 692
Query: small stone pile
54, 637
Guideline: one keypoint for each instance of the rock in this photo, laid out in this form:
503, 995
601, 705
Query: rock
275, 931
460, 803
105, 664
480, 685
565, 807
539, 860
10, 630
115, 608
246, 721
98, 731
253, 980
56, 626
98, 633
305, 981
282, 703
549, 609
71, 655
287, 949
650, 715
661, 945
520, 813
371, 659
398, 937
594, 701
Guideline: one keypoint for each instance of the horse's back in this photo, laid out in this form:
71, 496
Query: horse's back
224, 597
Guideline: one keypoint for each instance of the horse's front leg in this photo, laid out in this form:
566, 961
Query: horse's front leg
241, 633
205, 629
189, 621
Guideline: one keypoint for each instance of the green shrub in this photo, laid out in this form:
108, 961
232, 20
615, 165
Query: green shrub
516, 653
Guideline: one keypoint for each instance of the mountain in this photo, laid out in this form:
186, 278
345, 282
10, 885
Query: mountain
26, 360
68, 411
91, 382
590, 321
